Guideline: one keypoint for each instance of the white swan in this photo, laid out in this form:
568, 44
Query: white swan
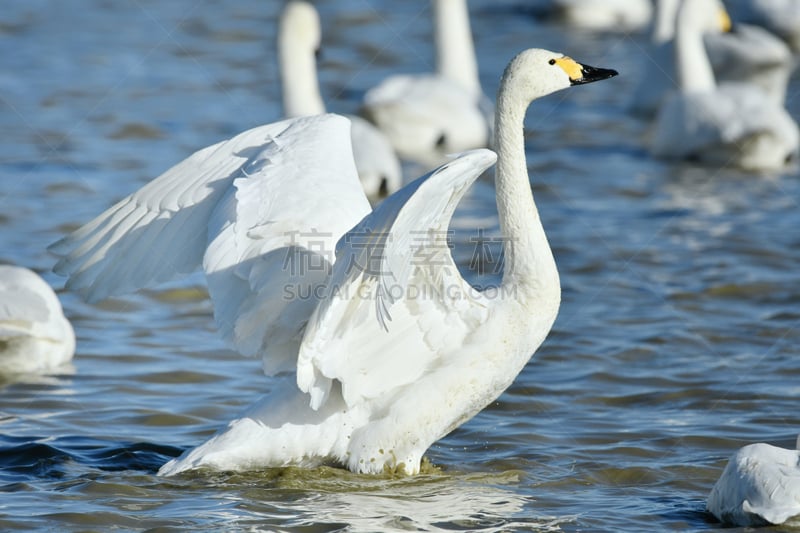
605, 15
746, 54
729, 125
759, 486
383, 348
781, 17
428, 116
35, 336
750, 54
298, 40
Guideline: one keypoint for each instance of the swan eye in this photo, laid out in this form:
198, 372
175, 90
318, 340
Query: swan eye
552, 61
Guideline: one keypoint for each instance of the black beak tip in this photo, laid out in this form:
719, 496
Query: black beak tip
610, 73
591, 74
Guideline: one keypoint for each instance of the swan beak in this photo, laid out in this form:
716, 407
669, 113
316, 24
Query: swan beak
725, 23
579, 73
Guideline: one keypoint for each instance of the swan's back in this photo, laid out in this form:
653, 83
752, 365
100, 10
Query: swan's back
736, 124
752, 55
426, 116
605, 15
760, 485
34, 333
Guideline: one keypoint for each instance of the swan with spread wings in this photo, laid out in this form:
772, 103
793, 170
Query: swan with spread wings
366, 375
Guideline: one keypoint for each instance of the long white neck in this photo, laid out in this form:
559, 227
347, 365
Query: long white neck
455, 53
691, 59
298, 78
664, 21
528, 260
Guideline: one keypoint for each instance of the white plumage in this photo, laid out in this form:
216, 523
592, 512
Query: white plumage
746, 54
428, 116
299, 37
760, 485
383, 348
750, 54
730, 125
605, 15
781, 17
260, 213
35, 336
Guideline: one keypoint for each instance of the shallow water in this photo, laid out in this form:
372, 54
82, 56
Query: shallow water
677, 340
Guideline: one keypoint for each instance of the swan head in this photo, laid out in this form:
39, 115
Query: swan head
300, 25
705, 16
535, 73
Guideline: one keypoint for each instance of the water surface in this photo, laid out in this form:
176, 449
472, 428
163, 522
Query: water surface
677, 340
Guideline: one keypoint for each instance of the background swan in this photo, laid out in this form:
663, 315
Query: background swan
604, 15
747, 54
751, 54
428, 116
730, 125
781, 17
372, 375
298, 41
35, 336
760, 485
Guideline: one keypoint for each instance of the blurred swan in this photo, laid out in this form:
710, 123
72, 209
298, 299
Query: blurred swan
744, 54
378, 350
750, 54
428, 116
731, 124
605, 15
781, 17
35, 336
298, 40
759, 486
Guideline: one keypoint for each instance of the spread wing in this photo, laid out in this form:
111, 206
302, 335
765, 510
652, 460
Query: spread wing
260, 212
395, 300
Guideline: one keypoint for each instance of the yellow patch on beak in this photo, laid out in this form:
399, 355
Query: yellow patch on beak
573, 69
725, 23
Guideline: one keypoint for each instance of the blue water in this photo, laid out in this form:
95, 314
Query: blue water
677, 341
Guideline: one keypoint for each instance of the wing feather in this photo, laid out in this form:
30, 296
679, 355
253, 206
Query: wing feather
245, 209
352, 337
194, 185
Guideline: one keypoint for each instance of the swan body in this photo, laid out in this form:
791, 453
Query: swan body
299, 38
388, 349
35, 336
730, 126
746, 54
760, 485
428, 116
734, 124
781, 17
605, 15
750, 54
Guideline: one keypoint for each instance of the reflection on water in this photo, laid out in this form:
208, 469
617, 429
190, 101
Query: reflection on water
429, 502
677, 340
118, 480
